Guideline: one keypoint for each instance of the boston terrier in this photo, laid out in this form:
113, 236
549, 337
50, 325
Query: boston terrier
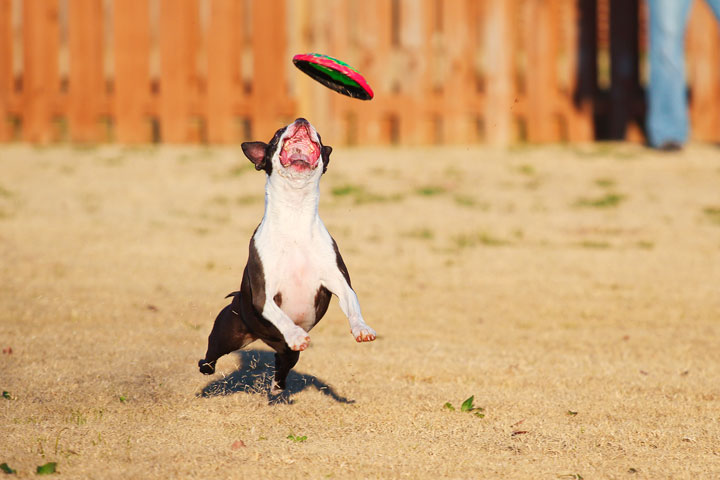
293, 266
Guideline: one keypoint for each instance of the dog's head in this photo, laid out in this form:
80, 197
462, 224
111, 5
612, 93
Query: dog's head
295, 151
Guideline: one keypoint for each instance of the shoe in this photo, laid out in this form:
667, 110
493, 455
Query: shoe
670, 146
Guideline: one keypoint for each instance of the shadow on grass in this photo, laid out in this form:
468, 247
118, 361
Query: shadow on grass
255, 377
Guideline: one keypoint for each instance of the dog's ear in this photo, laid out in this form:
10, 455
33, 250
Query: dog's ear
326, 151
255, 151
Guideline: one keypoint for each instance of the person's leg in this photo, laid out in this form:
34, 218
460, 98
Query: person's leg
715, 5
667, 102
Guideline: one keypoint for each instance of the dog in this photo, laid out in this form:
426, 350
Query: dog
294, 265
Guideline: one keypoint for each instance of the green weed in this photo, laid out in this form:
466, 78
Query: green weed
608, 200
248, 199
430, 190
347, 190
468, 407
528, 170
595, 244
483, 238
362, 196
241, 169
465, 200
47, 469
220, 200
77, 417
421, 233
713, 213
368, 197
6, 468
297, 438
605, 182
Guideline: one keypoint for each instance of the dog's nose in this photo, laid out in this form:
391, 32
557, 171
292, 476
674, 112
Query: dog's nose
301, 121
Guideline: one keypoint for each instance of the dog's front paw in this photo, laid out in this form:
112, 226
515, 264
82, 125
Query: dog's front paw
297, 339
363, 333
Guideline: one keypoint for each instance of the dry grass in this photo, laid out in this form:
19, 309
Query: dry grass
575, 292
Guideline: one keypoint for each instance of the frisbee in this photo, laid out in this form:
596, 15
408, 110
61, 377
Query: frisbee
334, 74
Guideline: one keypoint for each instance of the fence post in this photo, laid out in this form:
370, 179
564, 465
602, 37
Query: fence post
87, 86
458, 86
540, 71
269, 38
178, 76
40, 76
704, 74
131, 85
223, 73
372, 23
6, 68
498, 45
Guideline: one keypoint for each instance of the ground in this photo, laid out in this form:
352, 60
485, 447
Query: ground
574, 291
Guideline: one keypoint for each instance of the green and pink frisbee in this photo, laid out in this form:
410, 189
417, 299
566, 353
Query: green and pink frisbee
334, 74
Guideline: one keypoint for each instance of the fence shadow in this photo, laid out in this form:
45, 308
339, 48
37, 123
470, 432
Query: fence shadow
255, 374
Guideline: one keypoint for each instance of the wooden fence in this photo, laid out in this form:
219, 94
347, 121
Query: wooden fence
444, 71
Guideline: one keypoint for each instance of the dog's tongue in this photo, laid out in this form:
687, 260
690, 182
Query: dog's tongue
298, 155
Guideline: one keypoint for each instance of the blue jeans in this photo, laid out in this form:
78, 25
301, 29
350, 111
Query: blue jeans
667, 101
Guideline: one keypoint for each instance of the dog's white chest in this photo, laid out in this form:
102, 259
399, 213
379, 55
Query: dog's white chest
298, 281
294, 268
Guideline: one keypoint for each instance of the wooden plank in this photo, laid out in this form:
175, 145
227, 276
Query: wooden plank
6, 68
498, 46
409, 54
475, 74
131, 92
179, 33
87, 86
703, 52
374, 25
321, 20
270, 60
458, 88
540, 38
223, 51
40, 76
339, 111
299, 41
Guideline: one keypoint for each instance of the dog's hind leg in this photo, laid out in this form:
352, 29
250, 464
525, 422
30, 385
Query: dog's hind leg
285, 360
228, 334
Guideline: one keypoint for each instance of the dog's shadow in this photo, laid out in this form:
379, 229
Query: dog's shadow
255, 374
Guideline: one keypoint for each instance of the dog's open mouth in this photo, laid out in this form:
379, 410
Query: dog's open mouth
299, 150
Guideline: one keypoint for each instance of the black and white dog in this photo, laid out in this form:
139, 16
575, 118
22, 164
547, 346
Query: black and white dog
294, 265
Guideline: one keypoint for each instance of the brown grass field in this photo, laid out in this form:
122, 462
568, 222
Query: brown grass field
574, 291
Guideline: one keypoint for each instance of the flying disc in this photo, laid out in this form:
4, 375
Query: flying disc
334, 74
